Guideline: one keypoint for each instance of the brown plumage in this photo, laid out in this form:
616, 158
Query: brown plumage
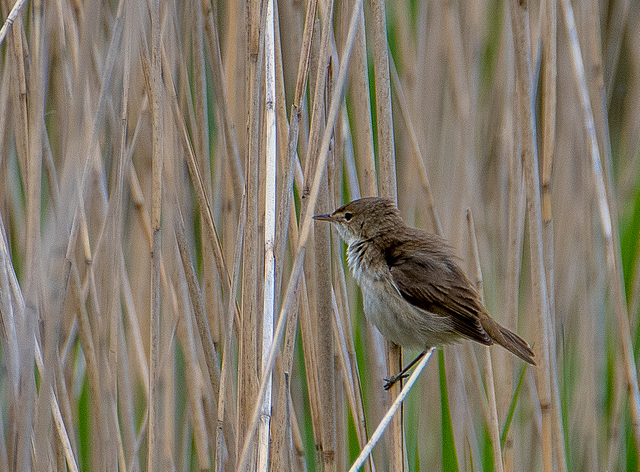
413, 290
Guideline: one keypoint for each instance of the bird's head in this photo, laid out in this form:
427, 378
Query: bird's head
364, 218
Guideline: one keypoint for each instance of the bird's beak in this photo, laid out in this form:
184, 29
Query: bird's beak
326, 217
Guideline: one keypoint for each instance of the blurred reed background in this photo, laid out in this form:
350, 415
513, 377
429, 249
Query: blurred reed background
149, 149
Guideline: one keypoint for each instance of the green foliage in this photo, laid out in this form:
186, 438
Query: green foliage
631, 453
354, 446
487, 449
300, 372
449, 457
512, 408
630, 241
83, 427
491, 46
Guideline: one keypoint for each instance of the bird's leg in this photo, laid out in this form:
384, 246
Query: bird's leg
403, 373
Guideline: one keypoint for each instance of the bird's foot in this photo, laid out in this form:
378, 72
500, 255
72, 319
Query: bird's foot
389, 382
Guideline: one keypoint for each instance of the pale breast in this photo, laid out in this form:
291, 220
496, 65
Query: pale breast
384, 306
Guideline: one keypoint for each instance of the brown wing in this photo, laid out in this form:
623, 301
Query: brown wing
438, 286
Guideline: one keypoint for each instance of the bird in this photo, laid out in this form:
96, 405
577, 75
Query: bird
413, 289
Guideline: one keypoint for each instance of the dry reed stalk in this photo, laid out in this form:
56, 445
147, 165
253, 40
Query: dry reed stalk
91, 335
386, 146
585, 423
347, 351
388, 187
199, 186
20, 407
21, 410
62, 433
21, 127
323, 333
212, 235
198, 304
9, 308
317, 333
348, 161
11, 18
102, 284
201, 125
501, 137
284, 312
458, 70
134, 327
128, 298
362, 136
185, 334
88, 346
296, 438
607, 219
103, 265
224, 418
284, 186
315, 187
350, 374
471, 452
318, 273
119, 362
520, 27
548, 117
11, 303
210, 281
363, 129
125, 391
288, 170
515, 239
271, 164
224, 107
417, 153
283, 424
33, 98
310, 362
157, 102
248, 346
5, 100
492, 419
549, 45
286, 214
617, 24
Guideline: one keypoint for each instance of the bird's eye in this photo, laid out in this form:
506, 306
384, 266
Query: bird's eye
348, 216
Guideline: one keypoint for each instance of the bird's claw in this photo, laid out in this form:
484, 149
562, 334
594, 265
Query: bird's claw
389, 382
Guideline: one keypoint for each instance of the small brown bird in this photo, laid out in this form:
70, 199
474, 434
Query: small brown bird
413, 290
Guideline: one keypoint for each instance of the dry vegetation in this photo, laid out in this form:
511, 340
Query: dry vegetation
149, 149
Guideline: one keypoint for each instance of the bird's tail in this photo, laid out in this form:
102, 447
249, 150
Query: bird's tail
508, 339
